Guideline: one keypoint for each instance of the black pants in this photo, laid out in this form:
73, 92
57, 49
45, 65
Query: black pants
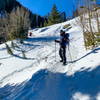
62, 53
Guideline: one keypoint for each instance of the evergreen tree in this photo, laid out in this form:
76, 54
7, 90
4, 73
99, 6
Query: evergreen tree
54, 16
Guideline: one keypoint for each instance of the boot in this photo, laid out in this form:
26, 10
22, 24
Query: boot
61, 60
64, 63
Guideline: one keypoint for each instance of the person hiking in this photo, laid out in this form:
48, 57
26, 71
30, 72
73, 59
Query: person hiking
64, 41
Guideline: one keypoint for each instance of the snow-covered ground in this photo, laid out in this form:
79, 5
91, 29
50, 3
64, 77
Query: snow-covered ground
41, 76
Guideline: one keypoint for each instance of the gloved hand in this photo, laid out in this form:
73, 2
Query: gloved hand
55, 40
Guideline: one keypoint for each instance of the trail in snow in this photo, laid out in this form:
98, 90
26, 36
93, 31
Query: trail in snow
53, 67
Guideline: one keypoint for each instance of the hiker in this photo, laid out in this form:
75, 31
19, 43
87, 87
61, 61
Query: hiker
64, 40
30, 34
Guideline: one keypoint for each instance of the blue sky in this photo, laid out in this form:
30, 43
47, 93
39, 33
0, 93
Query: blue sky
43, 7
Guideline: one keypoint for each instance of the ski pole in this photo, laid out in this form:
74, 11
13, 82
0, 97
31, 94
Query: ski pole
69, 53
55, 51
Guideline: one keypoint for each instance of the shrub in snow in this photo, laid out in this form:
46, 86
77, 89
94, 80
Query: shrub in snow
23, 54
66, 26
12, 44
9, 49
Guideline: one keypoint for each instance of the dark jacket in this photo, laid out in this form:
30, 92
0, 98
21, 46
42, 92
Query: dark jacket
64, 40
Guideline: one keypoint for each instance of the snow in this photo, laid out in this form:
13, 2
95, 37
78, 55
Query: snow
40, 77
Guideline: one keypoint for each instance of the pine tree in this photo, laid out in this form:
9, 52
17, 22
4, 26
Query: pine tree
54, 16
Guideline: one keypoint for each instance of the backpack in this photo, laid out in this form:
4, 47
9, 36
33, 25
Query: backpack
64, 42
67, 36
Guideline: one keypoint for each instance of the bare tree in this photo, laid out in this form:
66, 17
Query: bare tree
86, 13
19, 23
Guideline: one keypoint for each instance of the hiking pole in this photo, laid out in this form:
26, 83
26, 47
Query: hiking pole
69, 53
55, 51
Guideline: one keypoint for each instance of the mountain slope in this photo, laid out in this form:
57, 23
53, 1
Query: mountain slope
40, 77
8, 5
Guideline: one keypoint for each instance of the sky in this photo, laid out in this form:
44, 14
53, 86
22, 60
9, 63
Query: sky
43, 7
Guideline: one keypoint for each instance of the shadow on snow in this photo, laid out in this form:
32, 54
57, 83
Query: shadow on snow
31, 47
93, 51
45, 85
35, 39
42, 39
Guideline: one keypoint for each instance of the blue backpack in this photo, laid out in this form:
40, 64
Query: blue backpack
64, 42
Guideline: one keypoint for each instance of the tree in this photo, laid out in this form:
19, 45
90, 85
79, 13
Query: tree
54, 16
19, 23
87, 13
4, 25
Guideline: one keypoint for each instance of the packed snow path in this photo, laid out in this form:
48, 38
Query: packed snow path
52, 81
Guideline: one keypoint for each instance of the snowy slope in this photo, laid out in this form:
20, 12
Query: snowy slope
40, 77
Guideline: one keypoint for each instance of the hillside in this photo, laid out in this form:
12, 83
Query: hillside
40, 77
8, 5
